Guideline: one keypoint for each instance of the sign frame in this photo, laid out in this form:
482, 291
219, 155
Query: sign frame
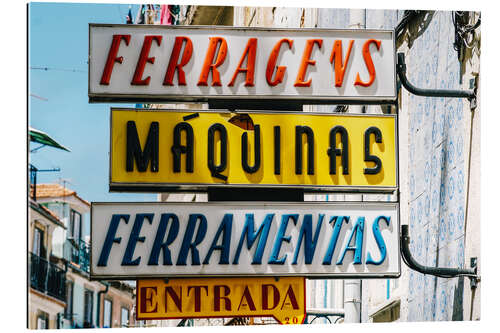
239, 99
203, 187
390, 204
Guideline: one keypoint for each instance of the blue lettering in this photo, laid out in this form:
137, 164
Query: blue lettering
159, 245
327, 260
134, 238
251, 236
187, 241
357, 230
225, 229
110, 238
306, 235
280, 237
379, 240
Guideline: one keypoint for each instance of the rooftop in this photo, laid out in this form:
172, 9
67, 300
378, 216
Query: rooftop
55, 191
46, 212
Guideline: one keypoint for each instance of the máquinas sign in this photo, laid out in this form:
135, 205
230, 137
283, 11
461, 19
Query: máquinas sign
283, 298
171, 150
245, 239
189, 63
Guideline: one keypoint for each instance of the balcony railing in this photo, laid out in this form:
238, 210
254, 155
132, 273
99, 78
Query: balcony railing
47, 278
77, 252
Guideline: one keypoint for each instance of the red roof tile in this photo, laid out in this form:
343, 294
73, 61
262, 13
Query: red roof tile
47, 211
53, 191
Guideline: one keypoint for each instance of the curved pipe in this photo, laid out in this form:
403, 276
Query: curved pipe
437, 271
401, 70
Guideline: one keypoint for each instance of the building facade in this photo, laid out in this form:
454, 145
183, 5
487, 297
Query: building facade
79, 302
47, 275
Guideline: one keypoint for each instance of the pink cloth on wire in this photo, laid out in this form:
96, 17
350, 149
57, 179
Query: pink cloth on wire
165, 16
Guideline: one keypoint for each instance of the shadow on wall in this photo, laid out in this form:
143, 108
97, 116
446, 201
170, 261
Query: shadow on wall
415, 29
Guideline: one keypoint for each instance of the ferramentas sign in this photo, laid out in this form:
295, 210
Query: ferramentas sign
165, 150
171, 63
327, 240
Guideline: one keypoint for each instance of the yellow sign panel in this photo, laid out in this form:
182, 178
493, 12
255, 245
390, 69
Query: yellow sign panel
170, 149
283, 298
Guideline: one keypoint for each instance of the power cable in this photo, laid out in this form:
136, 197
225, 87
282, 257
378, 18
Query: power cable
58, 69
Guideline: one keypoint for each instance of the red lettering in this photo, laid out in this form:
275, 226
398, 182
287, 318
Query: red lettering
145, 299
197, 296
306, 61
265, 296
249, 53
337, 56
112, 57
143, 58
208, 65
248, 297
177, 298
290, 294
369, 63
174, 58
271, 64
218, 298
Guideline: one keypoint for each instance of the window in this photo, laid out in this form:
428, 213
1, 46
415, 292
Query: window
68, 311
38, 242
87, 307
108, 305
75, 225
42, 321
124, 317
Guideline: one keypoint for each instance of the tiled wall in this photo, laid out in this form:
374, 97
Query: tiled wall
436, 137
437, 132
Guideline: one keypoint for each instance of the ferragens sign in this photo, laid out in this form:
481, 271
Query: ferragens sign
172, 63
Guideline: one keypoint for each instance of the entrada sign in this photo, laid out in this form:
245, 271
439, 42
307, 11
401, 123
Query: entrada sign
171, 63
172, 150
325, 239
283, 298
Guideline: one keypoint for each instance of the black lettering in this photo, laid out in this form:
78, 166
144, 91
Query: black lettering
277, 150
134, 151
368, 156
333, 151
178, 149
217, 169
299, 130
244, 151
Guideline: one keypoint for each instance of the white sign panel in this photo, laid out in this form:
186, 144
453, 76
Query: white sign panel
345, 239
172, 63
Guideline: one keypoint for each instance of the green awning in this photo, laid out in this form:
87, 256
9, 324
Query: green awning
44, 139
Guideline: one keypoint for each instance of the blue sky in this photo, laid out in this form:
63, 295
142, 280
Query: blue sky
58, 39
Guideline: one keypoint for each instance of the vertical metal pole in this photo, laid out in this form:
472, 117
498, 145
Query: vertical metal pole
352, 288
352, 301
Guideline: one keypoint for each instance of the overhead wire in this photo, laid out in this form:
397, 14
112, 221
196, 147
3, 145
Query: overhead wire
58, 69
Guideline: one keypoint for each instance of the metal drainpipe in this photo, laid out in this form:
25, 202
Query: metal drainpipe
99, 293
352, 288
401, 70
437, 271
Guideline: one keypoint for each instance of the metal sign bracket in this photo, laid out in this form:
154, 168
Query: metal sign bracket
443, 272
